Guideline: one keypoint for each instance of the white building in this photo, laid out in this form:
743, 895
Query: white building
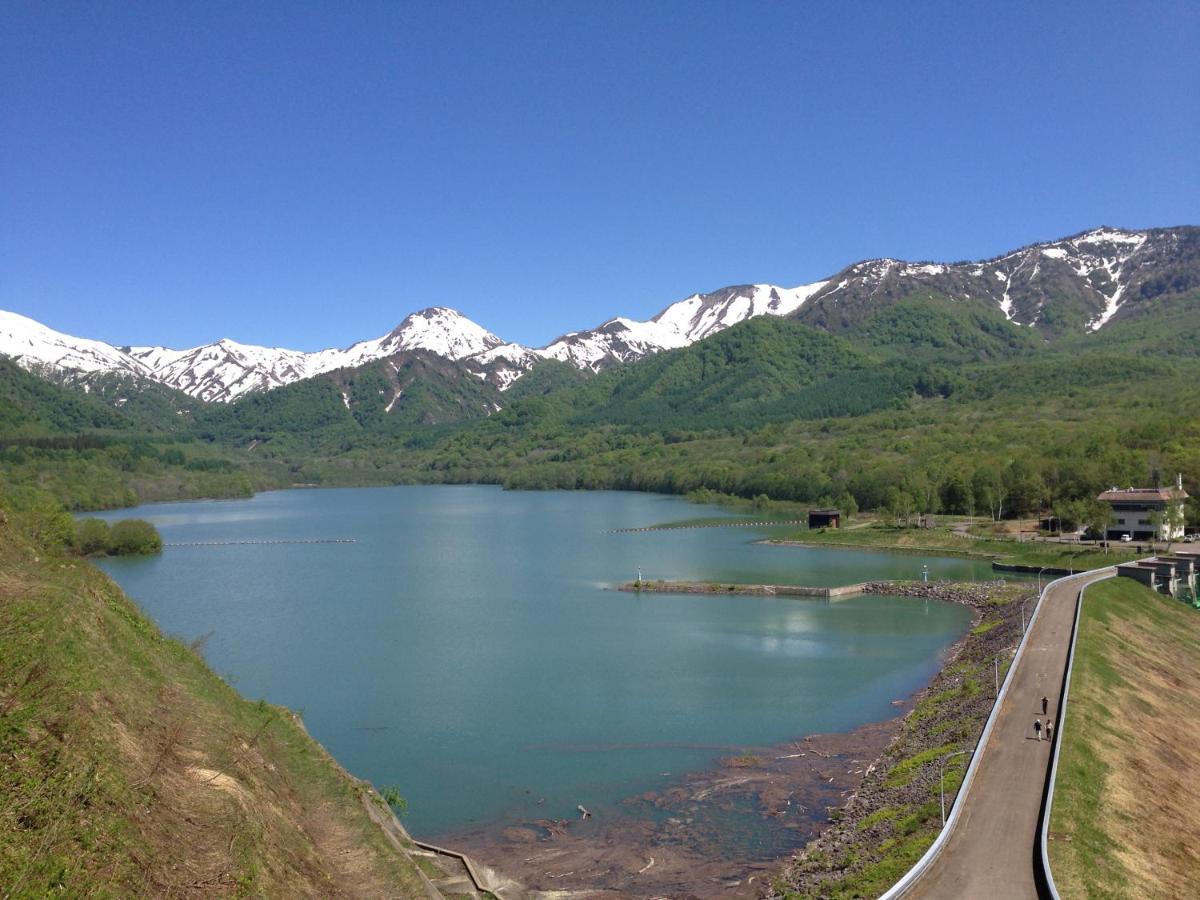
1145, 513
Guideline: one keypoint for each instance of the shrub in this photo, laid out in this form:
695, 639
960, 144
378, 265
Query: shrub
92, 536
39, 516
131, 537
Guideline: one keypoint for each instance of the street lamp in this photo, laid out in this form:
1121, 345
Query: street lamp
997, 665
943, 780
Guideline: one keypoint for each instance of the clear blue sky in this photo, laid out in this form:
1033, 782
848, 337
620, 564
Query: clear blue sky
306, 174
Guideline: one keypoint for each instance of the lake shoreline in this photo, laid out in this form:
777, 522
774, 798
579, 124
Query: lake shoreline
690, 662
664, 842
894, 814
882, 548
660, 843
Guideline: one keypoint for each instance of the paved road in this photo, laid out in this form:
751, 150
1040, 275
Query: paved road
991, 852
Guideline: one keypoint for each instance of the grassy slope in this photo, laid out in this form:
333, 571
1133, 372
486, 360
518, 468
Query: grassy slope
127, 768
1126, 816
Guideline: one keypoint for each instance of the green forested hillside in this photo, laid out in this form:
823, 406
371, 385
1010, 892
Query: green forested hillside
947, 330
1014, 429
928, 404
395, 396
143, 403
33, 406
92, 455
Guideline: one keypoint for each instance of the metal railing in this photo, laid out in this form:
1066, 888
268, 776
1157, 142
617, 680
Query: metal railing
913, 875
1047, 877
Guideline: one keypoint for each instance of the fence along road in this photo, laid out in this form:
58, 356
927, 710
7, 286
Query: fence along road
989, 846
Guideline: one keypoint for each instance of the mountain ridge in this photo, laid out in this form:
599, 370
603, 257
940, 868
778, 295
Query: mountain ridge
1076, 284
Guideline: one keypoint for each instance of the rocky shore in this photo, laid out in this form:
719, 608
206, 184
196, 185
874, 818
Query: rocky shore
895, 813
978, 595
856, 803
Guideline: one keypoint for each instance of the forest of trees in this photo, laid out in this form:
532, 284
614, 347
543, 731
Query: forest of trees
930, 407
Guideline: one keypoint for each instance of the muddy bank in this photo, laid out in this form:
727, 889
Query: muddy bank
717, 833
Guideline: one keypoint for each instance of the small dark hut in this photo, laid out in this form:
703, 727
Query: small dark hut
824, 518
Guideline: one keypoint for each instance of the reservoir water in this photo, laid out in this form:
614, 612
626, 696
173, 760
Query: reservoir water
468, 648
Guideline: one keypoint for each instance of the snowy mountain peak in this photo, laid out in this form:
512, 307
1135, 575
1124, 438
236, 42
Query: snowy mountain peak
684, 322
1081, 283
226, 369
1105, 234
33, 345
441, 330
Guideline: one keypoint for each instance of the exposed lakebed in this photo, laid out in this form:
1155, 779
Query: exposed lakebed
467, 647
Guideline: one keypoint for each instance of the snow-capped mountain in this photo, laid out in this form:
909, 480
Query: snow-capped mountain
680, 324
34, 346
1080, 283
225, 370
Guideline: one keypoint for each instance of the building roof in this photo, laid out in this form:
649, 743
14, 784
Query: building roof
1143, 495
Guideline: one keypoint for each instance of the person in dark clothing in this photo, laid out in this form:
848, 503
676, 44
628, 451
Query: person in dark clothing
1037, 728
1044, 702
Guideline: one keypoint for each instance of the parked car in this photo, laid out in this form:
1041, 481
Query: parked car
1191, 537
1126, 538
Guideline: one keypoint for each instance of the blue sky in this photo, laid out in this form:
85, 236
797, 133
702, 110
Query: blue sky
306, 174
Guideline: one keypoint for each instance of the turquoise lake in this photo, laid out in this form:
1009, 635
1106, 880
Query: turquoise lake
468, 648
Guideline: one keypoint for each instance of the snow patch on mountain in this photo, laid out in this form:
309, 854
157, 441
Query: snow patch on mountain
1103, 268
439, 330
33, 345
680, 324
1113, 266
226, 370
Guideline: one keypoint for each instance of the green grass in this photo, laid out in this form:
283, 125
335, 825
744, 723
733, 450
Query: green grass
1131, 731
985, 627
878, 876
880, 815
104, 727
943, 540
904, 772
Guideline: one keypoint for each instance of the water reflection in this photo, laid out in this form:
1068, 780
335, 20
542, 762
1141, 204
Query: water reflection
469, 632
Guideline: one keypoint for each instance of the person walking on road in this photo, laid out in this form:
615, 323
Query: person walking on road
1044, 702
1049, 730
1037, 729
